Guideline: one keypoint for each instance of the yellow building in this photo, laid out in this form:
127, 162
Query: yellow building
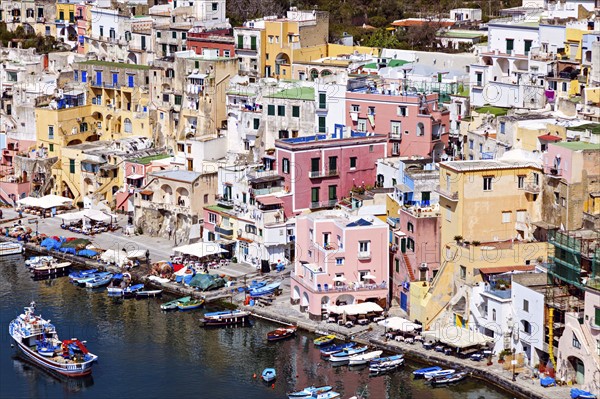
487, 212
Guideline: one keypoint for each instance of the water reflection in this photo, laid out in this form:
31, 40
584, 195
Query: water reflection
38, 378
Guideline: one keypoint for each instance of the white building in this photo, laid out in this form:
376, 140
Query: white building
492, 312
465, 14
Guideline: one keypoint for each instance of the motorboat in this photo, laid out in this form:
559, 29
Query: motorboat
581, 394
10, 248
439, 373
37, 260
324, 340
148, 294
51, 268
345, 355
131, 291
99, 281
309, 392
74, 277
281, 333
264, 290
363, 358
420, 373
172, 305
268, 374
331, 349
226, 317
449, 379
382, 367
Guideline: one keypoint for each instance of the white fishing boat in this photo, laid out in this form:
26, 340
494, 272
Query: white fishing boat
10, 248
38, 340
438, 373
363, 358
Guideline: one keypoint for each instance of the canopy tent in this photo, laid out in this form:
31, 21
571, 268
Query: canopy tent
92, 214
200, 249
52, 201
399, 324
112, 256
457, 337
29, 201
206, 282
356, 309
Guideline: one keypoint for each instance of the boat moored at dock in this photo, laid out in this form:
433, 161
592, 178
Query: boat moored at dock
38, 341
11, 248
420, 373
225, 318
309, 392
281, 333
172, 305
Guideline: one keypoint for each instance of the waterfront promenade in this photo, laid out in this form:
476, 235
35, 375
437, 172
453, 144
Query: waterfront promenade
280, 309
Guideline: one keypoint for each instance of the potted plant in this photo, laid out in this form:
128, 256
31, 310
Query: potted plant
477, 243
458, 238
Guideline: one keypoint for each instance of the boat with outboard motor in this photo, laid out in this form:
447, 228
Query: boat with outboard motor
309, 392
38, 340
225, 318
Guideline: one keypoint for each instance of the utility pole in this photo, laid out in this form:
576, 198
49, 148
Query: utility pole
514, 363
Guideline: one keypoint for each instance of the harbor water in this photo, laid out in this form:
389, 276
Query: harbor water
144, 352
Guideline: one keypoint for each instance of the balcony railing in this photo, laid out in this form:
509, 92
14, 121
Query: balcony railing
323, 173
323, 204
532, 188
395, 136
552, 171
225, 202
364, 255
224, 231
449, 195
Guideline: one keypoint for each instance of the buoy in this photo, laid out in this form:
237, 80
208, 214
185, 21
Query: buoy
272, 386
254, 376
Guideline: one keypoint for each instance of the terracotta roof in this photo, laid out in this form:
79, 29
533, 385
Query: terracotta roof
549, 137
269, 200
505, 269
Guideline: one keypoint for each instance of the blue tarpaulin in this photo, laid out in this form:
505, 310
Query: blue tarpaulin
87, 253
548, 382
50, 243
71, 251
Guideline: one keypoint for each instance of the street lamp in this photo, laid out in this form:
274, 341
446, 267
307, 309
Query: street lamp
514, 363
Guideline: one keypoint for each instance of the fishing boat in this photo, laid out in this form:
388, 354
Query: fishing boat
74, 277
72, 359
130, 292
265, 290
148, 294
421, 372
345, 355
281, 333
99, 281
324, 340
449, 379
581, 394
385, 364
331, 349
191, 304
225, 318
82, 282
10, 248
51, 269
363, 358
268, 374
308, 392
172, 305
37, 260
438, 373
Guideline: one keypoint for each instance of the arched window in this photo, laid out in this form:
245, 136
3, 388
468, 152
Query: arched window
420, 129
314, 74
410, 227
127, 125
493, 314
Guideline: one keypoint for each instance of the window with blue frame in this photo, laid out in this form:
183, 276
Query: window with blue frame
83, 76
115, 77
76, 75
99, 77
130, 80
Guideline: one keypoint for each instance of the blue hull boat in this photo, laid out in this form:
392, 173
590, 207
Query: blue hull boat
130, 291
581, 394
269, 374
74, 277
547, 382
266, 290
345, 355
332, 349
99, 281
421, 372
83, 281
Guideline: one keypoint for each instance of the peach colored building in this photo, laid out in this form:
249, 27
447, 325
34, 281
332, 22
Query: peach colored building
414, 123
340, 259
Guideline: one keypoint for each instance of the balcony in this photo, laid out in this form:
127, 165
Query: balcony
553, 172
224, 231
395, 136
364, 255
532, 188
323, 204
593, 325
449, 195
323, 173
225, 202
592, 219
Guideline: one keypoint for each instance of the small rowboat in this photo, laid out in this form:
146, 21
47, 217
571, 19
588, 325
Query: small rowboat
281, 333
269, 374
130, 291
148, 294
190, 305
449, 379
324, 340
345, 355
309, 392
331, 349
99, 281
76, 276
420, 373
364, 358
172, 305
581, 394
439, 373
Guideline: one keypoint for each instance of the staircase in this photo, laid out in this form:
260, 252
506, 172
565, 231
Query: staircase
411, 274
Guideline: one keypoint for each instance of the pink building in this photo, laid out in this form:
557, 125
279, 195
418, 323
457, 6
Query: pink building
340, 259
83, 26
135, 178
415, 249
319, 170
414, 123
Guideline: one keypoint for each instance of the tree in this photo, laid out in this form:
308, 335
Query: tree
382, 38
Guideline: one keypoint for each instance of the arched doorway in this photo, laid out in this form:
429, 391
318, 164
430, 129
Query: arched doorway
344, 299
183, 196
132, 58
305, 300
167, 192
576, 369
325, 302
281, 59
296, 293
88, 186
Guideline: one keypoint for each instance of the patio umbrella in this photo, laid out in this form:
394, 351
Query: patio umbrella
339, 279
368, 276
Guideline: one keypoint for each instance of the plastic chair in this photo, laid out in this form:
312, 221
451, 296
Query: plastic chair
319, 287
326, 287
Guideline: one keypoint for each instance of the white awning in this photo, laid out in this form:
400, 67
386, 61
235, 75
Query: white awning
46, 202
368, 276
200, 249
399, 324
340, 279
196, 76
457, 337
135, 177
359, 308
92, 214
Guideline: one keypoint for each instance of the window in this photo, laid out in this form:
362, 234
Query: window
536, 179
270, 109
177, 99
364, 248
252, 42
525, 305
479, 77
520, 181
83, 127
487, 183
410, 227
576, 343
101, 31
295, 111
361, 125
339, 261
510, 44
315, 164
322, 100
285, 165
212, 218
564, 86
371, 111
206, 198
281, 110
174, 35
352, 162
396, 128
480, 148
183, 35
522, 216
598, 347
402, 111
448, 214
326, 237
371, 148
322, 124
355, 108
471, 144
410, 244
83, 76
493, 314
397, 265
51, 147
506, 216
420, 129
502, 127
50, 132
314, 194
332, 193
215, 6
71, 166
597, 316
310, 234
463, 273
127, 125
158, 35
